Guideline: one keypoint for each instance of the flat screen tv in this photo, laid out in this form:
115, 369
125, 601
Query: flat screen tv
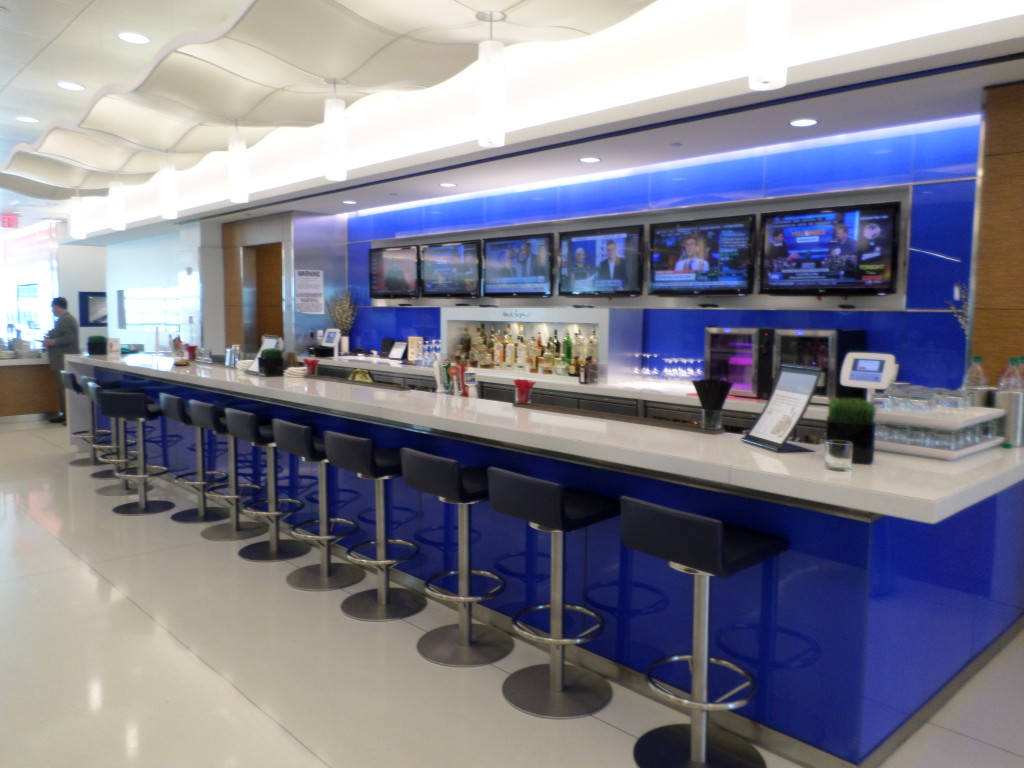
393, 272
518, 266
450, 269
843, 250
695, 257
600, 262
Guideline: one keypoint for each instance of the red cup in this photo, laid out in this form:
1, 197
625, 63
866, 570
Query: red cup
311, 364
523, 387
191, 348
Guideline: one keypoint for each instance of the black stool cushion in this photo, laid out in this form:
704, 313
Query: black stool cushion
207, 416
249, 427
359, 455
67, 378
119, 404
695, 541
174, 408
298, 439
442, 477
545, 503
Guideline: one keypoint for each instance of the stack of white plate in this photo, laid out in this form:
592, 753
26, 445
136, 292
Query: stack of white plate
297, 372
7, 354
243, 365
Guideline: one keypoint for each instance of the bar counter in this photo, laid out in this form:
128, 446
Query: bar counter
27, 386
900, 579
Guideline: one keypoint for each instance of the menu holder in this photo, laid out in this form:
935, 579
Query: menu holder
792, 394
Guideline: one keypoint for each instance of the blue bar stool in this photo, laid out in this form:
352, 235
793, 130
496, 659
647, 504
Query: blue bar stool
137, 407
116, 453
93, 437
555, 689
703, 547
300, 441
258, 431
210, 418
174, 407
360, 455
463, 644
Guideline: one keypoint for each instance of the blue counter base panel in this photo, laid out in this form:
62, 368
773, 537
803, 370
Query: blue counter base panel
848, 633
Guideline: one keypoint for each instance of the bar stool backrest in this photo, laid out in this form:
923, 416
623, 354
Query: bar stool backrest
360, 455
173, 407
694, 541
443, 477
207, 416
67, 378
547, 504
249, 427
297, 439
117, 404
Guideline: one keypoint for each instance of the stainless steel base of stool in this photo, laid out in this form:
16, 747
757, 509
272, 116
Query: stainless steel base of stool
119, 489
194, 515
442, 646
227, 532
669, 747
310, 578
103, 474
260, 552
150, 508
400, 604
85, 461
583, 692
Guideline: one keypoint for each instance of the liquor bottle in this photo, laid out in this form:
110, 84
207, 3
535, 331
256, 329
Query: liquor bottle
521, 356
567, 348
510, 347
592, 346
554, 345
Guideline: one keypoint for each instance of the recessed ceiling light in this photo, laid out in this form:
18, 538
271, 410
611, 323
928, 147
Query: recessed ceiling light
135, 38
447, 184
350, 202
68, 85
26, 119
676, 144
803, 122
590, 159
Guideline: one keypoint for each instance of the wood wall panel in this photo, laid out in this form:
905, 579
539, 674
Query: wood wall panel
997, 330
1006, 133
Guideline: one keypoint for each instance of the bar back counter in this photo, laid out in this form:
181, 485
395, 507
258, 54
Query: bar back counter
900, 579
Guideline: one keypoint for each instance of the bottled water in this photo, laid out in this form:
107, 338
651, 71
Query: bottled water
975, 376
1010, 381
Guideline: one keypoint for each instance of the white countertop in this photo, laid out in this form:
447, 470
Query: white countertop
672, 392
907, 487
25, 361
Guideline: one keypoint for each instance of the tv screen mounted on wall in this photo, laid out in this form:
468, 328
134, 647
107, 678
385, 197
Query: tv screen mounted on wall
696, 257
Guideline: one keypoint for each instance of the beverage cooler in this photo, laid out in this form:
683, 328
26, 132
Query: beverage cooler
750, 357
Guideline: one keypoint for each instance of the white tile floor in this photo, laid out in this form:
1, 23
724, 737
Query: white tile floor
135, 642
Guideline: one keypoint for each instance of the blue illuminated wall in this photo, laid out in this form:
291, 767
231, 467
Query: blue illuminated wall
938, 161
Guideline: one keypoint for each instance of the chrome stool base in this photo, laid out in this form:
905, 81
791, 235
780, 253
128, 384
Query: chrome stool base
118, 490
310, 579
669, 747
199, 516
487, 645
227, 532
260, 551
149, 508
583, 692
400, 604
85, 461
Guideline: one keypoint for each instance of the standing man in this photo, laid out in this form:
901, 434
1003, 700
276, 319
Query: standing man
59, 342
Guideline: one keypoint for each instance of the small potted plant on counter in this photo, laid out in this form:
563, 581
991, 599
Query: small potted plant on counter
272, 362
96, 345
853, 419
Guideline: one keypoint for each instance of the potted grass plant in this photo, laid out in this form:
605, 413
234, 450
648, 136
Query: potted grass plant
272, 362
96, 345
853, 419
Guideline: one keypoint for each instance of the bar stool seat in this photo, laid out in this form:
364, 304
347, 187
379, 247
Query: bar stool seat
299, 440
360, 455
93, 437
705, 548
210, 417
554, 690
176, 408
463, 644
137, 407
259, 432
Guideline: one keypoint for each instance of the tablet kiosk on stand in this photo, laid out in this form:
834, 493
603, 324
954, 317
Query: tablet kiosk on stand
873, 371
794, 388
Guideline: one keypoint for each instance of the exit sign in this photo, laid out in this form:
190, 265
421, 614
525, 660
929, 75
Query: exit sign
9, 221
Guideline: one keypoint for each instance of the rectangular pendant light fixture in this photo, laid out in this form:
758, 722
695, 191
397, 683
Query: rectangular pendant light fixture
167, 185
767, 43
116, 216
238, 170
76, 219
335, 140
491, 94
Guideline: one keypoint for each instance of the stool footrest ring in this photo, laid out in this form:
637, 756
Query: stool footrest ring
355, 556
132, 473
245, 490
525, 630
212, 476
296, 504
440, 593
300, 531
721, 704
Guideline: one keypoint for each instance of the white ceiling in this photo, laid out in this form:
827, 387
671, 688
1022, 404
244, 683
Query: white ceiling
268, 64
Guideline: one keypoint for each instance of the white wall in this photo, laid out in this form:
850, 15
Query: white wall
82, 268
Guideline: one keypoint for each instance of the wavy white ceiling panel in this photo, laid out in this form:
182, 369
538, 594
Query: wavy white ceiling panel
84, 150
130, 118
